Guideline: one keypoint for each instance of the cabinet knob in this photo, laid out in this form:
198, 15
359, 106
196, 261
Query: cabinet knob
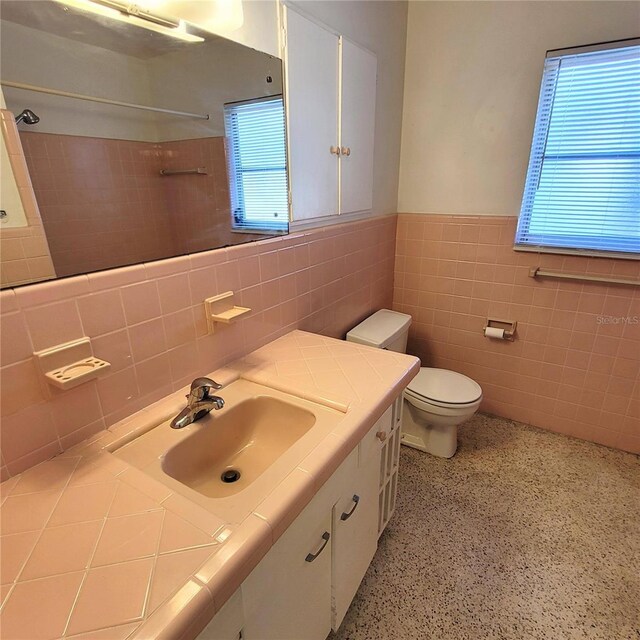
335, 150
346, 151
381, 435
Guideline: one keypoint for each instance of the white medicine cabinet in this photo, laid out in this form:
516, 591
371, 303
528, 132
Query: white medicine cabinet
331, 102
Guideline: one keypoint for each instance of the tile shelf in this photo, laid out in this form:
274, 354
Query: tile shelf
222, 308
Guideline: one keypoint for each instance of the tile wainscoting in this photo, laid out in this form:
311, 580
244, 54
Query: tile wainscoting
574, 366
148, 321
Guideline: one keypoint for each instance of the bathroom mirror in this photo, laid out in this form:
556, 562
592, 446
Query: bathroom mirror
141, 142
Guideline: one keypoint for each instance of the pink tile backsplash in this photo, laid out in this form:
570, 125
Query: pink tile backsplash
160, 345
575, 365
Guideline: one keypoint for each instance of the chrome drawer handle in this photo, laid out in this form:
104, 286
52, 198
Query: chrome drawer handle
312, 556
347, 514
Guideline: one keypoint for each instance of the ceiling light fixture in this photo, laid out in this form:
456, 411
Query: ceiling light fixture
137, 15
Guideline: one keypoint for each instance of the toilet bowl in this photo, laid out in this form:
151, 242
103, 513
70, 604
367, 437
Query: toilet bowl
436, 401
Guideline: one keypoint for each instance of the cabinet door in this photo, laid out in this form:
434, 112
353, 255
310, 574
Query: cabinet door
227, 623
355, 536
288, 595
372, 443
312, 116
358, 115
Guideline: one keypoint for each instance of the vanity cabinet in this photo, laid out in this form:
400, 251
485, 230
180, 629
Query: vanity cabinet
389, 461
288, 595
355, 536
303, 587
227, 623
331, 100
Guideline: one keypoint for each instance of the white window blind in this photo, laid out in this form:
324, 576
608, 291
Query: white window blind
257, 164
582, 192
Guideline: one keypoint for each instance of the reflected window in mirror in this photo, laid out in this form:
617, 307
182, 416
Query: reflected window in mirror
256, 155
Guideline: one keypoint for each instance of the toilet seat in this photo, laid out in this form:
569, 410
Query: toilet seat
443, 388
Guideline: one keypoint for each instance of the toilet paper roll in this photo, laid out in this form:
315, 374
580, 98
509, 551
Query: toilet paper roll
494, 332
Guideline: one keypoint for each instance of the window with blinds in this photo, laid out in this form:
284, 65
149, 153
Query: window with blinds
257, 165
582, 191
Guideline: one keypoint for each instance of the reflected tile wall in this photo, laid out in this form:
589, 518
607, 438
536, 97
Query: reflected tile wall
24, 252
199, 205
148, 321
102, 200
574, 367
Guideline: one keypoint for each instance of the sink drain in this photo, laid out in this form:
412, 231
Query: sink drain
230, 475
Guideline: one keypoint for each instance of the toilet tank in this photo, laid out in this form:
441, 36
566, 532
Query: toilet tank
384, 330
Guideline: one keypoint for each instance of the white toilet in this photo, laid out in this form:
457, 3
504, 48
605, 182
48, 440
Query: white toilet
436, 400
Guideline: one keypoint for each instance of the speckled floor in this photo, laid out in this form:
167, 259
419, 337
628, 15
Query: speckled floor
524, 534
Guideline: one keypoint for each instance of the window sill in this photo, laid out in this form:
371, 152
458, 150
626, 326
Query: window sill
261, 232
586, 253
327, 221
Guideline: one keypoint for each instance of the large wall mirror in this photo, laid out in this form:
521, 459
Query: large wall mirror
140, 144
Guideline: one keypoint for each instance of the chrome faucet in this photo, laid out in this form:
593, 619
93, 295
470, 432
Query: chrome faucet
199, 402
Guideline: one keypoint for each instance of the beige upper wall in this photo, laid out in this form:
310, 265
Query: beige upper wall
473, 72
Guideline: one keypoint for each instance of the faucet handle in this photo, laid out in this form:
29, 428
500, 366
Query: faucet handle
201, 387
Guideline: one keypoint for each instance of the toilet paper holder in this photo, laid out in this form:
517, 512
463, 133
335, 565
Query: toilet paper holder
501, 329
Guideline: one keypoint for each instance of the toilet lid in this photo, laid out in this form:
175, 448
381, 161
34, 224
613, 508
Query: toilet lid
442, 385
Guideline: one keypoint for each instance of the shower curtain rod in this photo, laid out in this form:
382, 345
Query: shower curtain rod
117, 103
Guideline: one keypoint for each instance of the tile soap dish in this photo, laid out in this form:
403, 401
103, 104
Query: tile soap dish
221, 308
68, 365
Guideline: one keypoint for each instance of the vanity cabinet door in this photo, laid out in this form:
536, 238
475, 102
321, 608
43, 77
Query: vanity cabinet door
288, 595
355, 536
227, 623
373, 442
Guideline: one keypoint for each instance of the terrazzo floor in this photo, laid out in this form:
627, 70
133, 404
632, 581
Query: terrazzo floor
524, 534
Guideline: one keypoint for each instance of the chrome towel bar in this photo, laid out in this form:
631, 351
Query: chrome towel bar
537, 272
181, 172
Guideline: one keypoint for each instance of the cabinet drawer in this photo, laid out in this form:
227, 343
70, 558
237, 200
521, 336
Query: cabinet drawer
376, 436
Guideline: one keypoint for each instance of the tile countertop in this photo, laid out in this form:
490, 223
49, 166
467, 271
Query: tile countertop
93, 548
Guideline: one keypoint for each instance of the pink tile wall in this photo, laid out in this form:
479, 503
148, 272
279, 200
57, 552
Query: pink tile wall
102, 201
148, 321
24, 252
574, 367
